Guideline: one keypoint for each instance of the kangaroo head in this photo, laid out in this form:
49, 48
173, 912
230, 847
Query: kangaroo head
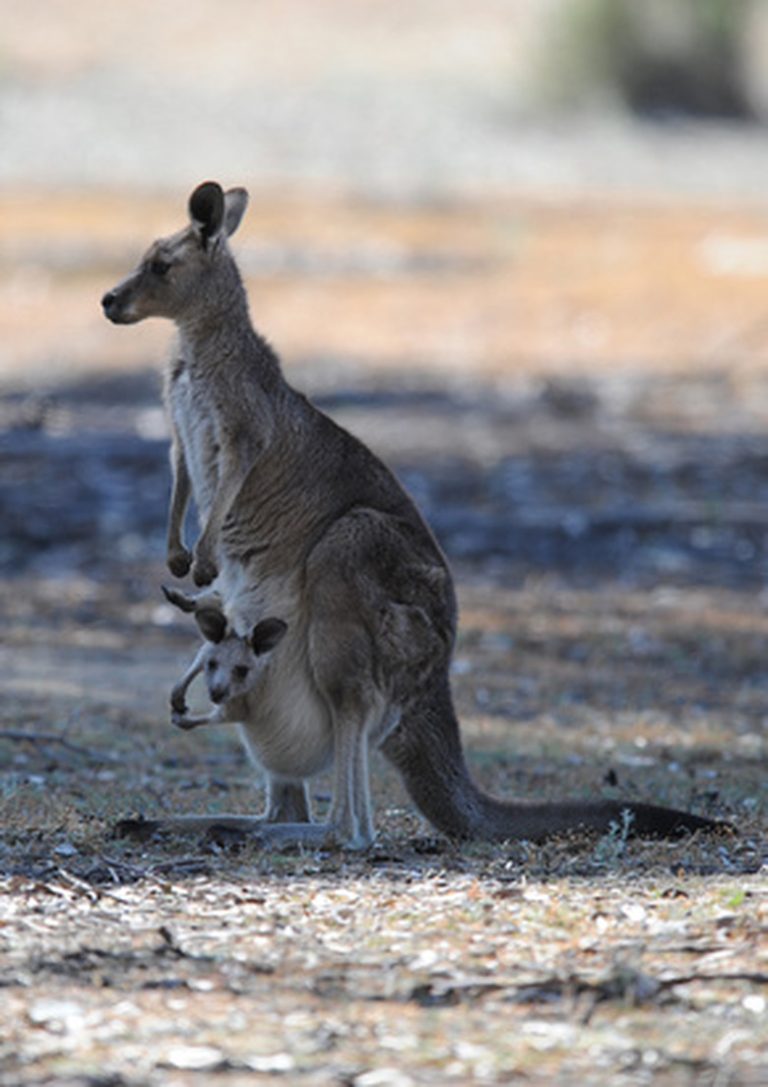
186, 270
232, 662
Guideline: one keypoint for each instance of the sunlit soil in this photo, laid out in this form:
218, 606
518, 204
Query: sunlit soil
486, 289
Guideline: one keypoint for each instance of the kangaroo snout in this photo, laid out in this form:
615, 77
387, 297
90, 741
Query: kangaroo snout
218, 695
108, 303
114, 305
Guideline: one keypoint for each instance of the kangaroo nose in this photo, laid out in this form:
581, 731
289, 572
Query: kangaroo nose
108, 299
218, 694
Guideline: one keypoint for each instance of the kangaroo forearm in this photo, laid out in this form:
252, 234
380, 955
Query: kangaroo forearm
179, 503
178, 558
179, 691
232, 477
205, 567
180, 494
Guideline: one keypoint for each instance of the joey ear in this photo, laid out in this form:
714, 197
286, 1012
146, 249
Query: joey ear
235, 203
266, 635
212, 623
178, 599
206, 210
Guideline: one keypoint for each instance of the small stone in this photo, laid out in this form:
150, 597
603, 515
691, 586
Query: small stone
56, 1016
193, 1058
276, 1063
383, 1077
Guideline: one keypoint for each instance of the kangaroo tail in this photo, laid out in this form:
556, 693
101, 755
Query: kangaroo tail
426, 750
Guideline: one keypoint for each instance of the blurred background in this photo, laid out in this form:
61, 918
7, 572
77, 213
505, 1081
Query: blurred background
519, 246
527, 185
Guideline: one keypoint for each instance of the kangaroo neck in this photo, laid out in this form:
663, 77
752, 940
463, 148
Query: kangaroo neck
217, 341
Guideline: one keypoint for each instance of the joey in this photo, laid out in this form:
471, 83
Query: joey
231, 664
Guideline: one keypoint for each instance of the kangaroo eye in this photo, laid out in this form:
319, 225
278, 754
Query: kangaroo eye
159, 267
240, 671
212, 665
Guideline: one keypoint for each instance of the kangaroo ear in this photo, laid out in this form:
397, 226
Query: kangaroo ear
206, 210
178, 599
212, 623
266, 635
235, 203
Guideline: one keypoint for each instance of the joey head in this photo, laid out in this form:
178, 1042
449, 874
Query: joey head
231, 663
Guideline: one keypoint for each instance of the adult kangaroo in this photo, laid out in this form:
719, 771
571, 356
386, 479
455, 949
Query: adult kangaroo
301, 521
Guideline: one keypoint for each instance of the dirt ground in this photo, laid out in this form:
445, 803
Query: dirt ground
577, 396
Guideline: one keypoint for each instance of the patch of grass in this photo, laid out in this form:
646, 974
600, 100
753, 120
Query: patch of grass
612, 846
672, 57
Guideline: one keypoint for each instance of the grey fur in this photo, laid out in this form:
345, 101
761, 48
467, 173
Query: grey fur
300, 520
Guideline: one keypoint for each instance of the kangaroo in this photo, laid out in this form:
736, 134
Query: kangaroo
300, 519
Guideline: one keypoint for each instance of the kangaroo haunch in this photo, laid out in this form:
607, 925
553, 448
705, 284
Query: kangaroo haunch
300, 520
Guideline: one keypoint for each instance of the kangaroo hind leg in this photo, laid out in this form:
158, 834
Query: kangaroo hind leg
342, 658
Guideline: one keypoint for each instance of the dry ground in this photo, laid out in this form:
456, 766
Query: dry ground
577, 396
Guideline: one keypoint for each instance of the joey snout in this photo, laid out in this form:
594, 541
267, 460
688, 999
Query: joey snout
218, 693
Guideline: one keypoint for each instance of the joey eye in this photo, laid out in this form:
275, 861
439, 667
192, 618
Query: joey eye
212, 665
240, 671
159, 267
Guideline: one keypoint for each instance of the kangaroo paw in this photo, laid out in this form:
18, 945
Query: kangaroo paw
204, 571
179, 562
180, 720
178, 704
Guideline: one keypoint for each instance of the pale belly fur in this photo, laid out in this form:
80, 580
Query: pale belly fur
287, 728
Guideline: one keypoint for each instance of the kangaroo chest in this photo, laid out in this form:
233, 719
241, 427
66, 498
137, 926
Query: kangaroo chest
195, 425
